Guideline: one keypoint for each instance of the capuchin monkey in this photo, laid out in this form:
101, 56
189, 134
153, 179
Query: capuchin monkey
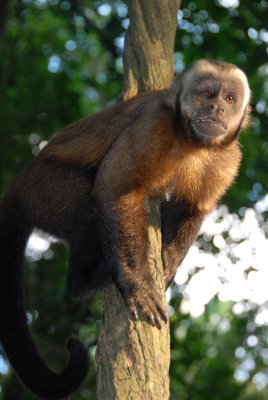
88, 187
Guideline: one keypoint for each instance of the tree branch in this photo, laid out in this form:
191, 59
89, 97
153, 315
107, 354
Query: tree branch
148, 56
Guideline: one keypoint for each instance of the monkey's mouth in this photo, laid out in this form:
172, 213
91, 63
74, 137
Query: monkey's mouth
208, 130
211, 121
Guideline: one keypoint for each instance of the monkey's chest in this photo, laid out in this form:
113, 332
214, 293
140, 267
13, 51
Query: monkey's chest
192, 183
199, 180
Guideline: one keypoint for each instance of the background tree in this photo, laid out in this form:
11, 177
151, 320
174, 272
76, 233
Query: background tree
59, 63
3, 15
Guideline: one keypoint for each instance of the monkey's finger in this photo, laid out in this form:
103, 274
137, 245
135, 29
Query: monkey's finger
155, 294
148, 311
154, 302
158, 322
135, 315
154, 320
151, 313
133, 311
156, 297
151, 319
161, 309
163, 314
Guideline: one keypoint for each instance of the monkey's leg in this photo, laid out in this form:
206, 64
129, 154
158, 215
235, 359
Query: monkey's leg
121, 224
180, 227
62, 206
86, 271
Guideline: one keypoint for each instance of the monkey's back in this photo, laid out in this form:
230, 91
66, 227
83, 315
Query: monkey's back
85, 142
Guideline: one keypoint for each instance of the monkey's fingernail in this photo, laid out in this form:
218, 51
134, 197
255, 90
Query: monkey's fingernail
135, 315
163, 314
158, 323
151, 320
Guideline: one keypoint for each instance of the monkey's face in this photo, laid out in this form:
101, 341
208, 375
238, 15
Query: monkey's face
214, 101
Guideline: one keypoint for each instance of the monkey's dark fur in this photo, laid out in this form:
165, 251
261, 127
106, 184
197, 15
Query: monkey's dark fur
88, 186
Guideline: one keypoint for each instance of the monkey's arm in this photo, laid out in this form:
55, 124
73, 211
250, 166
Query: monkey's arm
121, 224
120, 188
180, 227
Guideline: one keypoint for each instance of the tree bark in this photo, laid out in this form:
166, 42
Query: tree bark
133, 357
149, 46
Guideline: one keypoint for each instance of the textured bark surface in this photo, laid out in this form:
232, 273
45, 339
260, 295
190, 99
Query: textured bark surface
133, 357
149, 46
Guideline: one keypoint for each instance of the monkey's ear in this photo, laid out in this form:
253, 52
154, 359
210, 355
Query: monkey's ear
174, 92
247, 121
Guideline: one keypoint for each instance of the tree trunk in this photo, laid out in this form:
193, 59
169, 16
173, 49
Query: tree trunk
133, 357
149, 46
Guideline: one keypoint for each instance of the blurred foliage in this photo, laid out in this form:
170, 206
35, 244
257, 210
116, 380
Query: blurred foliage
205, 352
61, 60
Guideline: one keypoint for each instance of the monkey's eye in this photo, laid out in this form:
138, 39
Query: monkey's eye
229, 99
206, 92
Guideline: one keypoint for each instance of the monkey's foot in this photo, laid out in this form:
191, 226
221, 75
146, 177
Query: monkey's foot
149, 301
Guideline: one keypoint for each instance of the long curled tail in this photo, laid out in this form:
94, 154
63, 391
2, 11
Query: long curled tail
15, 335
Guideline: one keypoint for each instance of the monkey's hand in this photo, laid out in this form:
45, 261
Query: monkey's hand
147, 298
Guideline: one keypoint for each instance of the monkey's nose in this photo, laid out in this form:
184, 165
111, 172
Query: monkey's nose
217, 108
